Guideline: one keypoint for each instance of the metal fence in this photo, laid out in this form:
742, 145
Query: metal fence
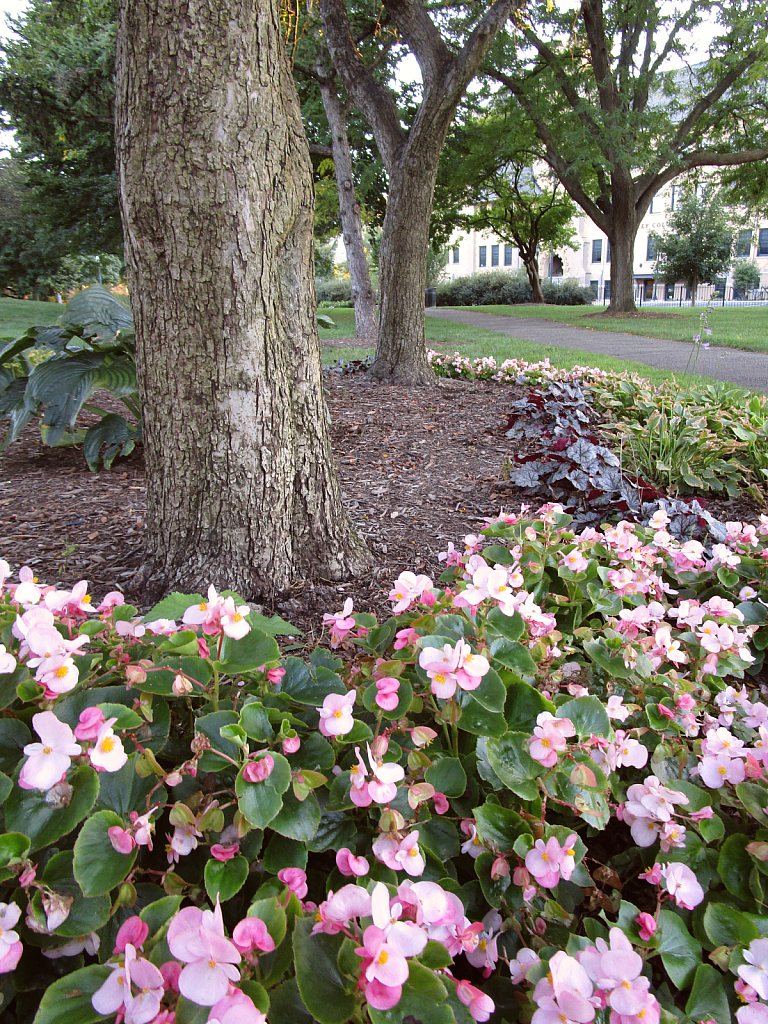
660, 296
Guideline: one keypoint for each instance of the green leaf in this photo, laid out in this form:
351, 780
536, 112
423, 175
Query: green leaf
210, 727
680, 952
159, 913
588, 716
98, 867
225, 878
498, 826
755, 799
728, 927
447, 776
173, 606
26, 810
435, 956
253, 718
491, 693
322, 986
423, 999
259, 802
273, 915
117, 434
440, 836
512, 655
612, 665
124, 791
509, 758
297, 819
477, 720
274, 625
14, 736
13, 848
524, 705
68, 1000
87, 913
249, 653
286, 1007
708, 999
493, 889
735, 865
5, 787
510, 626
302, 685
284, 853
712, 829
126, 717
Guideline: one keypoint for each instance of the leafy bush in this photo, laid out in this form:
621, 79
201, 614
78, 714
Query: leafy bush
333, 290
540, 768
53, 372
746, 275
499, 288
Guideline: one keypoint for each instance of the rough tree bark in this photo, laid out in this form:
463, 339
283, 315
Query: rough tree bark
410, 159
363, 295
531, 265
217, 208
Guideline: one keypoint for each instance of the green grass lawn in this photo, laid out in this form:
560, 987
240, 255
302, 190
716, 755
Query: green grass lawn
16, 315
745, 328
473, 343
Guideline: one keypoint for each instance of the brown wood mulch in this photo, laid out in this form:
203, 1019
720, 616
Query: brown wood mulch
419, 468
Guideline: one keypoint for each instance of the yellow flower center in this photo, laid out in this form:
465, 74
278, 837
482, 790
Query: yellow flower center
482, 944
61, 671
318, 916
203, 606
568, 853
414, 852
545, 856
237, 617
108, 744
212, 964
439, 678
354, 770
338, 714
627, 985
47, 750
87, 599
545, 742
722, 770
382, 957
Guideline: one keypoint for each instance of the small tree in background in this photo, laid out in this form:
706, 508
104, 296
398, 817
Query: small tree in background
697, 246
746, 275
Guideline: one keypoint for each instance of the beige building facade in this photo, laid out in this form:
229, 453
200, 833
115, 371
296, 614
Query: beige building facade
471, 252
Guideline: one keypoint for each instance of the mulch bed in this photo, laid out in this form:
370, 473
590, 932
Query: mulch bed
418, 468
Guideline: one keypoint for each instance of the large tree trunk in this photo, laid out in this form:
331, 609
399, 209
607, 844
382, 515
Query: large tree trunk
532, 270
622, 239
216, 201
363, 294
401, 348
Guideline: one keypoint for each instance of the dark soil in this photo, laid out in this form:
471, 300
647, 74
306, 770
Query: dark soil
418, 468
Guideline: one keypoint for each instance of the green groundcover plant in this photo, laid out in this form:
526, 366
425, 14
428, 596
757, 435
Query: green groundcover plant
536, 791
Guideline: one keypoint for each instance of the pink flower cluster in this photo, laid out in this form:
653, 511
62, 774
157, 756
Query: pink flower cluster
341, 623
679, 881
381, 786
549, 861
650, 811
48, 761
218, 615
409, 589
453, 666
549, 738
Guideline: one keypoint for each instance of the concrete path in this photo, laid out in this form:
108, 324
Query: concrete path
747, 369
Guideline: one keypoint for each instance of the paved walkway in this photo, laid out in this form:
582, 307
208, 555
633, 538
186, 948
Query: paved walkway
747, 369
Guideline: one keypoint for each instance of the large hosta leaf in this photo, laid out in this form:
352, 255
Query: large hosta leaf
116, 433
13, 408
99, 312
63, 383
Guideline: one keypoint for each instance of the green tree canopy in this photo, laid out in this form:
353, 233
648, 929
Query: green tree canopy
697, 246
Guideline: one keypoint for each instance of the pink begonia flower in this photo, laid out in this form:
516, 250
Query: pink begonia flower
87, 943
480, 1005
259, 770
615, 708
485, 955
340, 907
672, 834
183, 842
233, 619
682, 884
408, 588
111, 600
196, 937
564, 994
10, 945
110, 997
236, 1008
294, 879
543, 862
568, 858
122, 841
653, 798
251, 933
206, 614
474, 845
409, 857
745, 992
336, 714
291, 744
629, 752
384, 849
523, 962
224, 853
722, 741
107, 753
7, 661
341, 623
440, 802
574, 560
383, 786
134, 932
387, 697
382, 962
143, 827
48, 761
89, 724
171, 972
754, 1013
26, 592
440, 666
716, 771
616, 970
74, 603
348, 864
647, 925
549, 737
358, 792
422, 736
652, 875
405, 638
143, 1007
755, 971
406, 936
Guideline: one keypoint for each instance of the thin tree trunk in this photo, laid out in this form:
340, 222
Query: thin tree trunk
241, 489
694, 286
532, 270
622, 239
401, 348
363, 294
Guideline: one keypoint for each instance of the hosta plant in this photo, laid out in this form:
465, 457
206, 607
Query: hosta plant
536, 791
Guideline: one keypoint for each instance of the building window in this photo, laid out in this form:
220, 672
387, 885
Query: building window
481, 255
508, 254
650, 249
607, 291
762, 242
494, 255
594, 285
557, 266
744, 244
669, 292
654, 209
456, 255
608, 251
597, 250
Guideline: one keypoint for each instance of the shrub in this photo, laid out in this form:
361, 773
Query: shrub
542, 767
499, 288
334, 290
569, 293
